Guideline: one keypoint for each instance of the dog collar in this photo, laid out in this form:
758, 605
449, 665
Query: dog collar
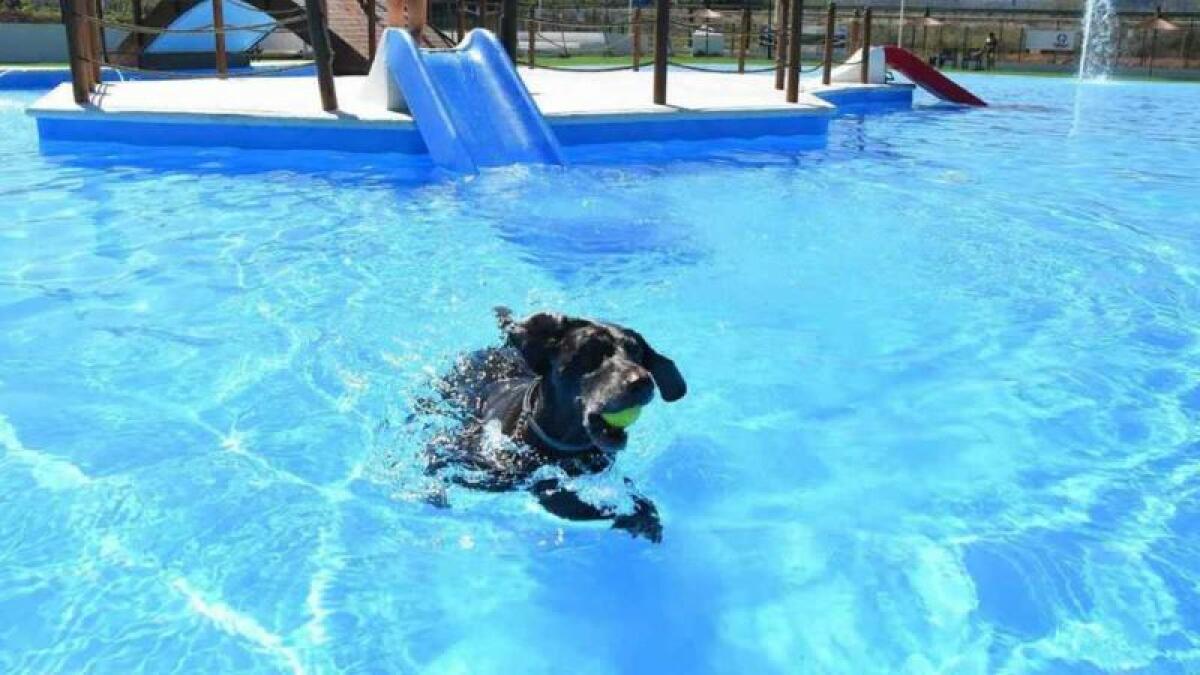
531, 422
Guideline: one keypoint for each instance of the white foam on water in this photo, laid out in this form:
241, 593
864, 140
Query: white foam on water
945, 587
329, 560
233, 622
51, 473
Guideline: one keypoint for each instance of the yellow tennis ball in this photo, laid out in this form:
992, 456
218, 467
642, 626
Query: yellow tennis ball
623, 418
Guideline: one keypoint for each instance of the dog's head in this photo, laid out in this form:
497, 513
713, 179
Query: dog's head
593, 369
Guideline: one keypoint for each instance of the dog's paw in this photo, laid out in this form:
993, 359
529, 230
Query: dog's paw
437, 497
643, 522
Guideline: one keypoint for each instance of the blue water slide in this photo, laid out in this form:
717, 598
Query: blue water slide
469, 104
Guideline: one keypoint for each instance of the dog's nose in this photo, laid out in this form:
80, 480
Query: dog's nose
638, 378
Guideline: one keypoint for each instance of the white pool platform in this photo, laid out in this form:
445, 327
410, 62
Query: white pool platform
581, 107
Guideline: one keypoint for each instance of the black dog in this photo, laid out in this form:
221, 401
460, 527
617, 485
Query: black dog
548, 391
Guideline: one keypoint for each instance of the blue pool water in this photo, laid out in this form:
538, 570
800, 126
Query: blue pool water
944, 391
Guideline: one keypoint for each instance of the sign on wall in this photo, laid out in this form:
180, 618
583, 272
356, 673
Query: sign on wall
1051, 40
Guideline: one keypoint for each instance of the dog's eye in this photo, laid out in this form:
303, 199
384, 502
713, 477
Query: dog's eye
591, 356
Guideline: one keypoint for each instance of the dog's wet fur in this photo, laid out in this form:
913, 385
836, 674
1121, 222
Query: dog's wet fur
545, 393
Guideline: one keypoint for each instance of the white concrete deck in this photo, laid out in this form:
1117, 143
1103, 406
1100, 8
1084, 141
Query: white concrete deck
558, 94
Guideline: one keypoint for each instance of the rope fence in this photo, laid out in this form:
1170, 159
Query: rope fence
206, 30
90, 57
719, 44
152, 73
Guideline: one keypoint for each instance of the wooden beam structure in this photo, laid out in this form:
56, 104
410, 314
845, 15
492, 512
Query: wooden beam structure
222, 59
636, 32
827, 62
662, 43
531, 30
139, 37
865, 73
793, 70
781, 43
372, 29
79, 74
91, 31
743, 42
319, 39
508, 28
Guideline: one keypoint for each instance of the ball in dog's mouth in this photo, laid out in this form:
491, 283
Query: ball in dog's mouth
605, 435
622, 419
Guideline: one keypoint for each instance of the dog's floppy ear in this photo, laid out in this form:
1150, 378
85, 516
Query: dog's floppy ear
666, 375
536, 337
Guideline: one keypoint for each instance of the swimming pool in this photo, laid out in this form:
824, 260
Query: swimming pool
942, 415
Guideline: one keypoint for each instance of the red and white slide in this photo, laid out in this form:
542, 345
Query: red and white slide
922, 74
927, 77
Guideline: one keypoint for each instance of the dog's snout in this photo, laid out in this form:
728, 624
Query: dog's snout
638, 386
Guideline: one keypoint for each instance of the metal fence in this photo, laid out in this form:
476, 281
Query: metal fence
955, 38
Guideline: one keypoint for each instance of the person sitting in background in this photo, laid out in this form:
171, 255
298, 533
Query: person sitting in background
989, 51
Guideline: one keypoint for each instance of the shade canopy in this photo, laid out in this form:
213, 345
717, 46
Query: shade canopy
1157, 23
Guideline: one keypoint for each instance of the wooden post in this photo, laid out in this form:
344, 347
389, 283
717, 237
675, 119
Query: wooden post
93, 35
508, 28
1117, 51
925, 35
84, 27
781, 42
372, 30
139, 38
318, 37
86, 52
76, 24
996, 55
744, 40
636, 32
460, 19
1183, 41
962, 53
865, 73
79, 78
1190, 41
793, 70
484, 16
531, 30
855, 31
830, 16
662, 37
101, 38
1154, 41
222, 59
1153, 48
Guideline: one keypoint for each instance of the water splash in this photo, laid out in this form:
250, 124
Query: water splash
1098, 51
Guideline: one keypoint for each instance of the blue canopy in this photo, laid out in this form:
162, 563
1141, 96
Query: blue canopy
201, 16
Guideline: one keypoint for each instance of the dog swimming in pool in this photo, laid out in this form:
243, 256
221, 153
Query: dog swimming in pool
554, 403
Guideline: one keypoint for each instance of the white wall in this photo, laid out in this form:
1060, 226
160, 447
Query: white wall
29, 42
